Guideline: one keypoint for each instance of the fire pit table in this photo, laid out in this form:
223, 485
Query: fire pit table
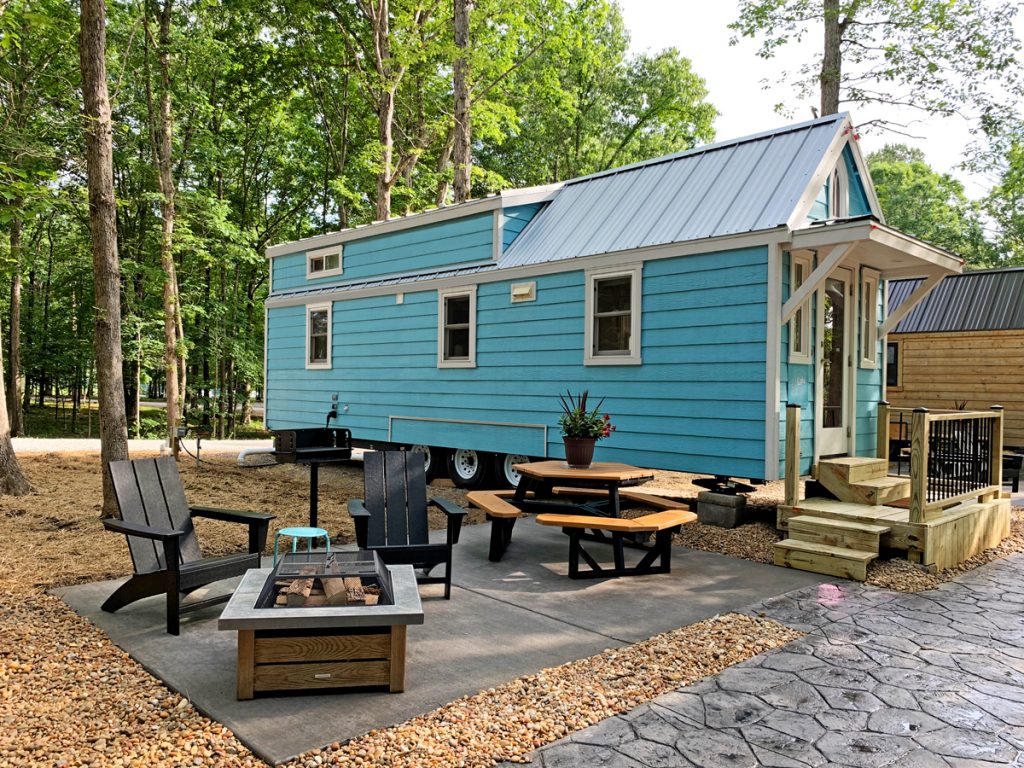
323, 620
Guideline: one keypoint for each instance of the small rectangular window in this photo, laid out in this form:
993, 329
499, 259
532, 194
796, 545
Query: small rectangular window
613, 318
800, 323
318, 336
869, 319
892, 364
457, 328
326, 262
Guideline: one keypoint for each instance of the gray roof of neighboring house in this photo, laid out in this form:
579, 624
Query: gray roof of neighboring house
987, 300
745, 185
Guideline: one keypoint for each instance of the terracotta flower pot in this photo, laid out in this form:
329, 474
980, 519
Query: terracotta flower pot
579, 451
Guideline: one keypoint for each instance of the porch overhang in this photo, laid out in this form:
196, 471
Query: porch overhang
891, 252
867, 243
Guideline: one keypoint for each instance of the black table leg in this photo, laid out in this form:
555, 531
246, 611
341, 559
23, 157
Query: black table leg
314, 491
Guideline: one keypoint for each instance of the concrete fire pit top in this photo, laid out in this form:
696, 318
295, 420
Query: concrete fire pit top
241, 613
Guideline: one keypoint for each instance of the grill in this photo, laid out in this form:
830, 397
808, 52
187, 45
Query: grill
313, 444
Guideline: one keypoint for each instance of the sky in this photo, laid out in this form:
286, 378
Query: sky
734, 76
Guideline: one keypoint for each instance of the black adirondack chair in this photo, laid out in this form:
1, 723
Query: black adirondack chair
157, 520
392, 520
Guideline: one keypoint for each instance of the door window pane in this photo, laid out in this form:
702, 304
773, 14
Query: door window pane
834, 341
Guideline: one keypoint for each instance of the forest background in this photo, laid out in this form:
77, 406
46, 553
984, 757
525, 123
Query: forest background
237, 125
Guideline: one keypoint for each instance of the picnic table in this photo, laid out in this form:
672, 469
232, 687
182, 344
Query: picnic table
539, 479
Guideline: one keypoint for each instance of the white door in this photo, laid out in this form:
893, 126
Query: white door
835, 331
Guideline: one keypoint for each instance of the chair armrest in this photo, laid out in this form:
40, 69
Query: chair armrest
361, 518
230, 515
142, 531
455, 514
258, 522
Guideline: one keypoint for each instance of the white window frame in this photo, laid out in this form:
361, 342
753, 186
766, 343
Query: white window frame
839, 191
803, 312
324, 365
442, 296
632, 357
323, 253
869, 318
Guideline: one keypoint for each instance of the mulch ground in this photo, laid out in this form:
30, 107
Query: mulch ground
69, 697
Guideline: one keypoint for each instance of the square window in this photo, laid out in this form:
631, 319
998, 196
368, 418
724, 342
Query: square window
326, 262
457, 328
613, 318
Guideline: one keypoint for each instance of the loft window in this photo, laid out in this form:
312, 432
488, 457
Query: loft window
613, 318
457, 328
800, 324
326, 262
318, 336
892, 364
869, 319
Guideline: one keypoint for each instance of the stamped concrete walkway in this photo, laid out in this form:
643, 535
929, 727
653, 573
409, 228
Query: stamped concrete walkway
881, 678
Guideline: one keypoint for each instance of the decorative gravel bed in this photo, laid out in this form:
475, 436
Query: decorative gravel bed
508, 722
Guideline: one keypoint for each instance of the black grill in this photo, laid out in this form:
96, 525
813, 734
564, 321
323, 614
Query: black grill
311, 444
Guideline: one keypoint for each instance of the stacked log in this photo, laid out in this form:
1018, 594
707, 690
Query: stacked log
315, 592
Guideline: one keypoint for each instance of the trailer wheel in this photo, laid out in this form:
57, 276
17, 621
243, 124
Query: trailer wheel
433, 460
504, 468
469, 469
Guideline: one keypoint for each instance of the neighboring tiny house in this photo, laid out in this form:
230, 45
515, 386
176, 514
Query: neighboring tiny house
698, 293
961, 347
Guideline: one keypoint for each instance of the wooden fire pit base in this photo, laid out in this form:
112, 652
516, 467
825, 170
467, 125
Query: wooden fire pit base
291, 660
324, 647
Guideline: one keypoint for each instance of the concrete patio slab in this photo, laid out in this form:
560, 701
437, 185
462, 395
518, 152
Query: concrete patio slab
504, 620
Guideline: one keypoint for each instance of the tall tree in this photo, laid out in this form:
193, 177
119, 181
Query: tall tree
941, 56
1005, 202
930, 205
103, 228
12, 479
462, 149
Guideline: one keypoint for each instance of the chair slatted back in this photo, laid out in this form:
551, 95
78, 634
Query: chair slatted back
395, 486
149, 492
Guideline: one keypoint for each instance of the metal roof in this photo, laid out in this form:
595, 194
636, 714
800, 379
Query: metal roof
987, 300
745, 185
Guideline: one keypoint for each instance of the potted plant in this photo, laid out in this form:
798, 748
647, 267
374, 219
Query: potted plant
582, 428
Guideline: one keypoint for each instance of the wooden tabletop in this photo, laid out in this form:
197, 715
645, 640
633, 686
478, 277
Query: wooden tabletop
599, 470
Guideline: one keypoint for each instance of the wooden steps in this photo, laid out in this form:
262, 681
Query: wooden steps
845, 534
821, 558
861, 480
835, 546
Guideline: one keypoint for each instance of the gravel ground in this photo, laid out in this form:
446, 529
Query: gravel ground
69, 697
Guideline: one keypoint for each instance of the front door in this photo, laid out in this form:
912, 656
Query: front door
835, 305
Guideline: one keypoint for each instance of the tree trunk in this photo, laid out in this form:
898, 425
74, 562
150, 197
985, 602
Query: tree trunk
12, 479
103, 230
14, 380
462, 150
385, 125
832, 61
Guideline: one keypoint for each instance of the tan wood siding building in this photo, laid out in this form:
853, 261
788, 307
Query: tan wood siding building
962, 347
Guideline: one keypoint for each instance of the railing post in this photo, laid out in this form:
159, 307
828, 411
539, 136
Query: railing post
996, 451
918, 464
792, 453
882, 443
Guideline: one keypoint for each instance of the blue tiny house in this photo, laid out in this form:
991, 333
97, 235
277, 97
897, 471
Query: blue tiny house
698, 293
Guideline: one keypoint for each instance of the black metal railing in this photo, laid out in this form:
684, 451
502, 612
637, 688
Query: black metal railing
959, 456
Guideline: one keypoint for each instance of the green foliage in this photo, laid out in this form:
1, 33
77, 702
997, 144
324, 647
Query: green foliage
926, 204
1005, 203
578, 420
944, 57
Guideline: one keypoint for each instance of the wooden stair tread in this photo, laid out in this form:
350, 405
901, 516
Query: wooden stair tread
852, 461
840, 553
846, 525
844, 508
890, 481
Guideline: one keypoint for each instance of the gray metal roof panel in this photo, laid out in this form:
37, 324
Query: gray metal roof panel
987, 300
740, 186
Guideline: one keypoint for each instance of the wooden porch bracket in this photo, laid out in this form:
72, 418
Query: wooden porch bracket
909, 303
815, 279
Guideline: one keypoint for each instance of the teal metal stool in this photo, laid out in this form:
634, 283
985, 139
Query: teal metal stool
309, 534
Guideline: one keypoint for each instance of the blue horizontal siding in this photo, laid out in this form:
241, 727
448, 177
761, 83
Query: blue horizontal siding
696, 403
796, 386
420, 249
514, 221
